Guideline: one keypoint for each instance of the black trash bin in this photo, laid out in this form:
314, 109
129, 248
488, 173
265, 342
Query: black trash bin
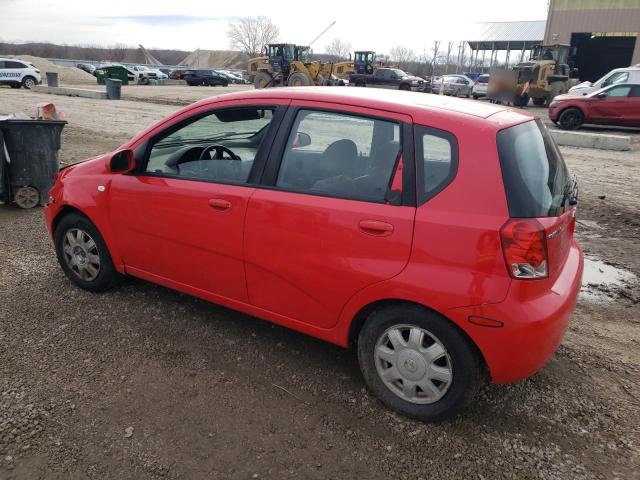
113, 88
4, 174
52, 79
33, 147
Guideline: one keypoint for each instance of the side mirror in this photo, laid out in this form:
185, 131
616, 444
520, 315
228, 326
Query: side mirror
601, 95
122, 162
302, 140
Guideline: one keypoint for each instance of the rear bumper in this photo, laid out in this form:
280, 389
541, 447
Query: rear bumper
534, 322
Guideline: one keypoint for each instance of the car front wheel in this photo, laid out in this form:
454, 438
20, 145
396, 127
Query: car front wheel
417, 362
83, 254
29, 82
570, 119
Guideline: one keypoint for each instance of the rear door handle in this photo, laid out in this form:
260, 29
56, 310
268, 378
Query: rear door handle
220, 204
376, 227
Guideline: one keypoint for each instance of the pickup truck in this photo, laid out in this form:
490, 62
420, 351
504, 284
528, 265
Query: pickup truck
392, 78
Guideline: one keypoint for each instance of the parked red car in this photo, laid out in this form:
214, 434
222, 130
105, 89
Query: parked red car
612, 105
433, 233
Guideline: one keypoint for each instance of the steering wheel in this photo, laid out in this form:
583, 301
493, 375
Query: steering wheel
220, 151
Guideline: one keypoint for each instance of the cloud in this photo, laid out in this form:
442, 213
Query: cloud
168, 20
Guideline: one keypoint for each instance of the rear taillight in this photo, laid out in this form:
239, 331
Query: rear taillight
524, 244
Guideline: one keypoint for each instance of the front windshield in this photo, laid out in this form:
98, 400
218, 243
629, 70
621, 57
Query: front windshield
399, 72
303, 55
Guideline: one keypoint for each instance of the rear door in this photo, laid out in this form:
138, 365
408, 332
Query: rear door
335, 212
632, 112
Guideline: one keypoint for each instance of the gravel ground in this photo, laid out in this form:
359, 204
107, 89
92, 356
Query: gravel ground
143, 382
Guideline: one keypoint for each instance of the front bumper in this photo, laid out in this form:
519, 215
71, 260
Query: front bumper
534, 316
554, 112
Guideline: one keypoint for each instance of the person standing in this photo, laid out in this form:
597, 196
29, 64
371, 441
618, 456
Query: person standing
524, 95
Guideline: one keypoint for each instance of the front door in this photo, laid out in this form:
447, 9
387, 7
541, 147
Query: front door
331, 217
612, 107
180, 219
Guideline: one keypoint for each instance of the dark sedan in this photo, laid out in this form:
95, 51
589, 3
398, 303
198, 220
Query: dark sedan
612, 105
204, 77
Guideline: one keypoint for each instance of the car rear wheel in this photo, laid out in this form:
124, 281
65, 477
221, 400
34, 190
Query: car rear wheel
417, 362
570, 119
475, 97
15, 85
538, 101
83, 254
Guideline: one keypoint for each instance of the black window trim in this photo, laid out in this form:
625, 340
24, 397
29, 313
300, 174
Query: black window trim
272, 167
143, 151
419, 132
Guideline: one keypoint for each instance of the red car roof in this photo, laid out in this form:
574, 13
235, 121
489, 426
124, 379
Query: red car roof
412, 103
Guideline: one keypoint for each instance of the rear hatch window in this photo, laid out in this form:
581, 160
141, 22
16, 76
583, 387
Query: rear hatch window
535, 176
539, 193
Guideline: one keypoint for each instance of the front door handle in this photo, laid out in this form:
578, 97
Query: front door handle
376, 227
220, 204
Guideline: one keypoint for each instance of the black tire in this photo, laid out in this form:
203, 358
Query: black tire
107, 276
29, 82
262, 80
405, 86
15, 85
464, 360
360, 83
299, 79
475, 97
570, 119
538, 101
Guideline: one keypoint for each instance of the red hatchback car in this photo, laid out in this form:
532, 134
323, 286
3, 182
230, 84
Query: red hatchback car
612, 105
436, 234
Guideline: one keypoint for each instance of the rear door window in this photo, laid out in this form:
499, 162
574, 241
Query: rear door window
340, 155
535, 176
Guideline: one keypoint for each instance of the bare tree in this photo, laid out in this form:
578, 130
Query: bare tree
402, 55
250, 34
338, 49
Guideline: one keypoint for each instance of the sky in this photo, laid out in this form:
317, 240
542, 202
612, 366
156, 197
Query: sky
191, 24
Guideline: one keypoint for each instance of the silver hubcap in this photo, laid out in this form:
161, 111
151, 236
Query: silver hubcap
81, 254
29, 83
413, 364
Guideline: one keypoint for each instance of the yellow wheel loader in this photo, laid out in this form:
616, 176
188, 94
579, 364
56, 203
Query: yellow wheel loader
548, 73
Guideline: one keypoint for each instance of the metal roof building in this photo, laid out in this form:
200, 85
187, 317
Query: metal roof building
507, 35
494, 37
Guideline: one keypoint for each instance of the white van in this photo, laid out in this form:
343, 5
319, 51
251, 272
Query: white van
618, 75
18, 73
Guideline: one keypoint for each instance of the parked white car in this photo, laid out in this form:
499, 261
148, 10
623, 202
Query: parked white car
142, 71
18, 73
455, 85
480, 87
618, 75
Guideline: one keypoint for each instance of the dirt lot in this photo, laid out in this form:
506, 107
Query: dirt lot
144, 382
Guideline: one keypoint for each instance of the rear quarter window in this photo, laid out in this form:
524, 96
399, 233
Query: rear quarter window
437, 160
534, 173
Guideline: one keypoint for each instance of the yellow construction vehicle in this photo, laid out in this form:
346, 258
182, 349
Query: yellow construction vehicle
285, 64
548, 73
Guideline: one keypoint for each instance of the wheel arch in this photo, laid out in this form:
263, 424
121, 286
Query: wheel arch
363, 314
67, 210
